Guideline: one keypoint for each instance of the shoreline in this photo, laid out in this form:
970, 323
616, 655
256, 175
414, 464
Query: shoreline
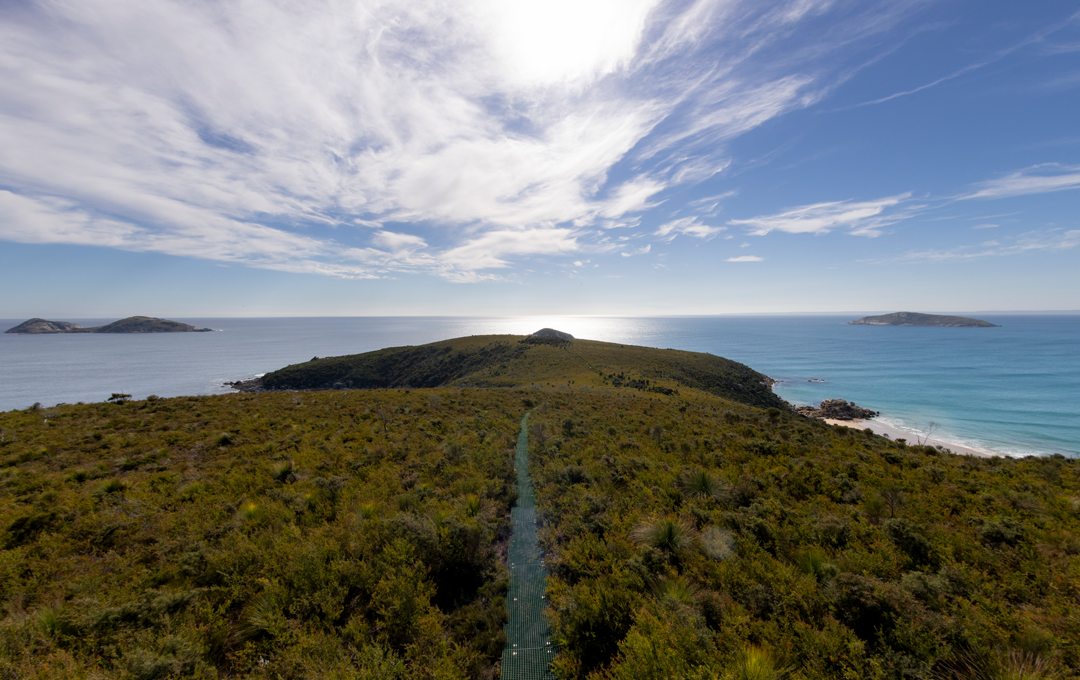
896, 433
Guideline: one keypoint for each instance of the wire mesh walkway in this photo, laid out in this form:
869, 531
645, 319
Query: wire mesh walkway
529, 652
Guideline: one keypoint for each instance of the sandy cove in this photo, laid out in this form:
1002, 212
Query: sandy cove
896, 433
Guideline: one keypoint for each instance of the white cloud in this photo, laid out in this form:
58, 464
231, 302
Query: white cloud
640, 251
498, 129
985, 226
688, 226
1050, 240
49, 220
1038, 179
865, 218
745, 258
398, 242
489, 250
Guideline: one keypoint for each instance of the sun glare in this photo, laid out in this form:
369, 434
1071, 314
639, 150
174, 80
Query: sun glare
540, 42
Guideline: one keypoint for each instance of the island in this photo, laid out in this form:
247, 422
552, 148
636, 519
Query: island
917, 319
132, 324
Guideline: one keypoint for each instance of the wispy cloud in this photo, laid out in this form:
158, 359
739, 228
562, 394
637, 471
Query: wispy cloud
687, 226
865, 218
927, 86
1035, 241
640, 251
51, 220
1038, 179
288, 135
1038, 37
745, 258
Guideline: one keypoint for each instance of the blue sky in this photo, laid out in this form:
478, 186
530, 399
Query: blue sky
505, 157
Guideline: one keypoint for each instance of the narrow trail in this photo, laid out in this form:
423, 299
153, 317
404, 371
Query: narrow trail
529, 652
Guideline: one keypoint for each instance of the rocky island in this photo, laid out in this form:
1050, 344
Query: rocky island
917, 319
132, 324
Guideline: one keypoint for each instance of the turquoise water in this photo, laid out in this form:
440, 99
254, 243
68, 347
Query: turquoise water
1014, 389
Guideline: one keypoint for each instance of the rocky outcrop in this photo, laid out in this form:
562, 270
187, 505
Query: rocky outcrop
551, 333
836, 409
250, 386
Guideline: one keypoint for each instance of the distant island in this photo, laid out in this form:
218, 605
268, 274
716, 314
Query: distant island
132, 324
916, 319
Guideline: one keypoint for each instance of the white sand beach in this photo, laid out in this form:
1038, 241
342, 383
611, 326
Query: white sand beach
896, 433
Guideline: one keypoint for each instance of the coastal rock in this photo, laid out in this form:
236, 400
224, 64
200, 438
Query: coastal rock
248, 386
836, 409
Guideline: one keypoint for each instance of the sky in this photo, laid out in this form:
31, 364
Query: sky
203, 158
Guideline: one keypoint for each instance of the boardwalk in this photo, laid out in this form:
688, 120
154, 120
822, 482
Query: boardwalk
528, 650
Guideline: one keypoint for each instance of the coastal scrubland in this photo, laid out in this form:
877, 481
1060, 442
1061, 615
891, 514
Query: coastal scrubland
361, 533
704, 539
529, 361
275, 535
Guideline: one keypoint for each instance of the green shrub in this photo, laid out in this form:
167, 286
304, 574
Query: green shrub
1001, 531
813, 561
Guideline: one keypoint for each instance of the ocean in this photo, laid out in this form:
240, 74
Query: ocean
1013, 390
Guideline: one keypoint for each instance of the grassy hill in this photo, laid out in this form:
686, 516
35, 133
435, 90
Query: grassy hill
520, 361
362, 533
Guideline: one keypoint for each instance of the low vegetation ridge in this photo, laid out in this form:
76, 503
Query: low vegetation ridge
363, 534
917, 319
132, 324
520, 361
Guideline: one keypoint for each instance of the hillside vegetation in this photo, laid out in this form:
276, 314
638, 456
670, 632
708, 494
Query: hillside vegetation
272, 535
519, 361
362, 533
702, 539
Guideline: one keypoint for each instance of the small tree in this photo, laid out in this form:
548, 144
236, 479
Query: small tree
930, 427
118, 398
